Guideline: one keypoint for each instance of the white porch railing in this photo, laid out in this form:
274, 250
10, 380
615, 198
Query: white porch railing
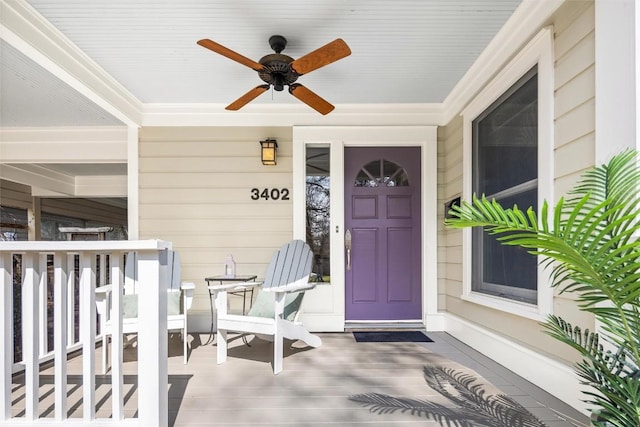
152, 378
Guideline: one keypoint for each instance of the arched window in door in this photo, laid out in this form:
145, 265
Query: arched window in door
382, 173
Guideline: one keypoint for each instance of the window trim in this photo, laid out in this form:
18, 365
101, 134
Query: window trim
539, 51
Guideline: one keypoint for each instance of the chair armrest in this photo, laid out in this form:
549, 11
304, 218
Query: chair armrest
292, 288
103, 293
188, 288
103, 289
230, 287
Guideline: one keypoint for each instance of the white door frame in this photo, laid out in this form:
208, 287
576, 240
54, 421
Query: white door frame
324, 306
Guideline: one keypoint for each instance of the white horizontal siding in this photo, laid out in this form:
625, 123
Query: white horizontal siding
575, 94
15, 195
450, 185
574, 151
195, 191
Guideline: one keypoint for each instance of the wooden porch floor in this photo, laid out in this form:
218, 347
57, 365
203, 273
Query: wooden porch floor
343, 383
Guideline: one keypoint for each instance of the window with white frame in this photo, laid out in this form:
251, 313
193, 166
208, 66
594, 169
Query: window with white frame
508, 156
505, 169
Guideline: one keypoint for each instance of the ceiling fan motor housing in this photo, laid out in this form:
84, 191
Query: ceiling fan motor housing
277, 71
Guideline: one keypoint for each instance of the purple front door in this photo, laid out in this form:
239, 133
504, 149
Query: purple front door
382, 214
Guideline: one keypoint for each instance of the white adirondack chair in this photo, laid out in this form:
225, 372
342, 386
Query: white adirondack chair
179, 300
274, 314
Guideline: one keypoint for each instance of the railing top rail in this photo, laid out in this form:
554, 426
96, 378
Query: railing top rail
84, 245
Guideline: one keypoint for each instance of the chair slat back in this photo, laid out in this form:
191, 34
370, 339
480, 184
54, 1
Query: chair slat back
175, 271
131, 279
131, 273
289, 265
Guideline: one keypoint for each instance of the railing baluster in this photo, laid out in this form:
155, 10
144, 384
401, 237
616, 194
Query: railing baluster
30, 329
71, 318
152, 378
60, 283
88, 333
42, 309
117, 276
6, 333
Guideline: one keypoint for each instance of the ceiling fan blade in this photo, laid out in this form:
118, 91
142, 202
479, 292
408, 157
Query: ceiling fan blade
320, 57
247, 97
225, 51
310, 98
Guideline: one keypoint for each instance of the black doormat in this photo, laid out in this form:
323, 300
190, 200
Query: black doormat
391, 336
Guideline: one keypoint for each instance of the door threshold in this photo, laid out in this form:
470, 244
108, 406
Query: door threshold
388, 325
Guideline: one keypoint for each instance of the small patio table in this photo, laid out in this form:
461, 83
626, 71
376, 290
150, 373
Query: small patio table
238, 292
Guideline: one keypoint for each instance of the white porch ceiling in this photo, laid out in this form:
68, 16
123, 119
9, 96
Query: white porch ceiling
404, 51
32, 96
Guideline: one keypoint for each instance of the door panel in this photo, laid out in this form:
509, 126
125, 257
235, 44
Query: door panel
398, 264
364, 289
399, 207
382, 210
365, 207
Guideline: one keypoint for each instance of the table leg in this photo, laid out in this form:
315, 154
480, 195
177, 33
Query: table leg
244, 312
210, 339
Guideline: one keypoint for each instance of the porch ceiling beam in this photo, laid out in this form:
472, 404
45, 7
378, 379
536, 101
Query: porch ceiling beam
37, 176
64, 145
27, 31
48, 183
101, 186
291, 115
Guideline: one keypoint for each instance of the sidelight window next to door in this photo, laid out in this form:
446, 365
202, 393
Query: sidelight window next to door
318, 198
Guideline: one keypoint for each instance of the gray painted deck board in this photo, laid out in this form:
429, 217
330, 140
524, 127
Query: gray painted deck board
315, 386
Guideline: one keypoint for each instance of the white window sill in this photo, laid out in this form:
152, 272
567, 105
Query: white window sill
522, 309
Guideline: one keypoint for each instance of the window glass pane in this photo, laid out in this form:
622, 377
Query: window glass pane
13, 224
318, 218
505, 152
507, 140
394, 175
365, 178
507, 271
373, 169
382, 172
51, 223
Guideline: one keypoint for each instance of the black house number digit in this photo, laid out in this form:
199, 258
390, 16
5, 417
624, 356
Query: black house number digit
270, 193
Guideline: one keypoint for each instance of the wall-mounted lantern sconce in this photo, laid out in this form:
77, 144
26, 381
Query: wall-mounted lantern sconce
268, 155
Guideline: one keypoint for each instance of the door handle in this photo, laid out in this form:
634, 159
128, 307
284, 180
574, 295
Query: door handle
347, 245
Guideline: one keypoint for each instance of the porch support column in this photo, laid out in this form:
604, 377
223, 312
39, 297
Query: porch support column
153, 380
6, 333
616, 54
133, 199
34, 220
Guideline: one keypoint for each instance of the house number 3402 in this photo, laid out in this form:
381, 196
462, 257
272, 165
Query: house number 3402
270, 194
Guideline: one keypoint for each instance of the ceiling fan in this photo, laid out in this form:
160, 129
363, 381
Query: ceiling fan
279, 70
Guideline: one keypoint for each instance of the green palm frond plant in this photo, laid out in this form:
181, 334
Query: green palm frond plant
590, 242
